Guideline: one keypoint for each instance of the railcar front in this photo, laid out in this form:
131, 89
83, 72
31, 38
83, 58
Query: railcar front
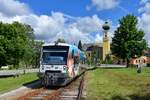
53, 65
58, 65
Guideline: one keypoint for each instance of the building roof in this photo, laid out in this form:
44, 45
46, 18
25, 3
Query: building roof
85, 46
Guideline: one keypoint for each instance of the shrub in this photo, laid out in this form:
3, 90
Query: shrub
148, 64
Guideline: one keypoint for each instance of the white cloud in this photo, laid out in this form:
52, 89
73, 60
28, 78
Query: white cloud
98, 38
144, 23
145, 9
103, 4
144, 19
89, 24
54, 26
13, 8
144, 1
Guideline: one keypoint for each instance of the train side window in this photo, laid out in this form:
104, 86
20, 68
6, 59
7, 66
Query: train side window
76, 60
72, 54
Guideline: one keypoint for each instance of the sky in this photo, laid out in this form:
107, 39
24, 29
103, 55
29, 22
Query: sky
74, 20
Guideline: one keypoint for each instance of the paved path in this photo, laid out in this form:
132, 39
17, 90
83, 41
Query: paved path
20, 91
16, 72
112, 66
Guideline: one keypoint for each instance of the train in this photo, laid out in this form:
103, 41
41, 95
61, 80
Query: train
60, 63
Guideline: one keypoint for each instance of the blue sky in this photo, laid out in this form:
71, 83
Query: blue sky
77, 8
74, 20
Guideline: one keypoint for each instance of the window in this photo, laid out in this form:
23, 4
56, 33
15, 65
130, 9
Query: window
76, 60
89, 54
54, 58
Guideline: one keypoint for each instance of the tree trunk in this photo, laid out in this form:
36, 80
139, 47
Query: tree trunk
124, 61
128, 61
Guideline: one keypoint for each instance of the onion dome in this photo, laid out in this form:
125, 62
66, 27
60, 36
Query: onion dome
106, 26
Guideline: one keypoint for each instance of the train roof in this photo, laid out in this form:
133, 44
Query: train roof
62, 44
58, 44
75, 48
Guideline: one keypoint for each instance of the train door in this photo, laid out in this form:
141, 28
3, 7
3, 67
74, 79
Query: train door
76, 61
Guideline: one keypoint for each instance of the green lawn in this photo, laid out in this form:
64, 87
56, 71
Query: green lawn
10, 83
118, 84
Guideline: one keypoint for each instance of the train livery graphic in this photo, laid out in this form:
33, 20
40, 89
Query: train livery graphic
59, 63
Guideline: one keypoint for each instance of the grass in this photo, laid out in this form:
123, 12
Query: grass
118, 84
7, 84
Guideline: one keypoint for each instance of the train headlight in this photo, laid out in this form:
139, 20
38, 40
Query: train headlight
42, 67
64, 67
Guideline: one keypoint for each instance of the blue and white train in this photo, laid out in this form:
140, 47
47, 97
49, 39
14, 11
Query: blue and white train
60, 63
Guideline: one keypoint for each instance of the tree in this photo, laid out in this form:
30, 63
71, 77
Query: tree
80, 45
61, 40
37, 53
29, 52
94, 54
108, 59
16, 41
128, 41
2, 52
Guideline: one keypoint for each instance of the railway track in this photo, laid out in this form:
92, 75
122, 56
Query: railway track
72, 91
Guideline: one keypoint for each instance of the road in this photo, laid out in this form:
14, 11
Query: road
20, 91
111, 66
16, 72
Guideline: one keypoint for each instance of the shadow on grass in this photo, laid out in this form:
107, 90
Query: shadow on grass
7, 76
132, 97
36, 84
33, 84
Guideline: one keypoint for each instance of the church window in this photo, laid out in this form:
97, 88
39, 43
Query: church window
89, 54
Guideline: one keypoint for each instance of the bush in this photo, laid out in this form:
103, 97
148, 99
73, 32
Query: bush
148, 64
133, 66
108, 59
11, 67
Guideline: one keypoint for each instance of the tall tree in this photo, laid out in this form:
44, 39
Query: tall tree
2, 51
29, 51
80, 45
16, 41
94, 54
128, 40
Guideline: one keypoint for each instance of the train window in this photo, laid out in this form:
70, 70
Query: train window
76, 60
72, 53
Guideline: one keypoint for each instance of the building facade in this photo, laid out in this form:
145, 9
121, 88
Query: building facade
100, 50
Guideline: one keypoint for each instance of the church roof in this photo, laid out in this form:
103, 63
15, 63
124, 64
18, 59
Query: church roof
85, 46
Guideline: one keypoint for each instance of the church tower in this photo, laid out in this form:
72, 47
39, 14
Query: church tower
106, 42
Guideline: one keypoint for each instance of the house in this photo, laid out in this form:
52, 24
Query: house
140, 60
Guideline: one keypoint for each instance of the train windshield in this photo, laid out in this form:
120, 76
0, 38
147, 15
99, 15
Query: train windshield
55, 56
